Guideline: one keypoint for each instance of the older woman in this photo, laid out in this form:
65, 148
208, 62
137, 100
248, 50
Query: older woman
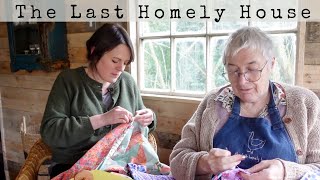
270, 129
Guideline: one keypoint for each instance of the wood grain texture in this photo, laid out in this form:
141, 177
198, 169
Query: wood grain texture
312, 54
167, 140
76, 65
77, 55
164, 154
313, 32
5, 67
80, 27
3, 29
312, 77
30, 100
78, 39
4, 43
4, 55
27, 81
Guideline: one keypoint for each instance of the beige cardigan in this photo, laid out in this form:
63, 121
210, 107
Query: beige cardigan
302, 121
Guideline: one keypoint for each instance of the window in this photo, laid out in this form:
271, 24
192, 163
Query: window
183, 58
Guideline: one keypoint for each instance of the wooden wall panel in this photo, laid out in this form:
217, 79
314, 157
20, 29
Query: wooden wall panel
4, 30
313, 32
27, 81
312, 54
12, 126
164, 155
4, 43
13, 146
312, 77
4, 55
78, 39
5, 67
80, 27
172, 114
37, 73
76, 65
77, 55
24, 99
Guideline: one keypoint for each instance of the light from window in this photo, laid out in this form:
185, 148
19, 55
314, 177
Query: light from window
184, 57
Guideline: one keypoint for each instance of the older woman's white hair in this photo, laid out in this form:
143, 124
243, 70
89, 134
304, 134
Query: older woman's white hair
248, 38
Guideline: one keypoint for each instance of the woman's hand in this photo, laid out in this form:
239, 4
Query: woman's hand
114, 116
266, 170
118, 115
217, 161
144, 117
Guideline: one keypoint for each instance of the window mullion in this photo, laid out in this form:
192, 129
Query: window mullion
208, 61
141, 70
173, 64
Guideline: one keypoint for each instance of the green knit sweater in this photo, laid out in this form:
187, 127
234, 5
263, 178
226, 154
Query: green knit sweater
75, 97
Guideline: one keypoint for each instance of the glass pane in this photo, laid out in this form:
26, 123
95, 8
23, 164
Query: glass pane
217, 47
228, 26
190, 64
157, 71
274, 25
149, 28
229, 20
194, 27
285, 48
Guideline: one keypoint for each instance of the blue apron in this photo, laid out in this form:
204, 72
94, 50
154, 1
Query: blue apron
256, 138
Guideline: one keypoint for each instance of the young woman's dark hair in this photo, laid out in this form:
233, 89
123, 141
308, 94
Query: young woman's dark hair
106, 38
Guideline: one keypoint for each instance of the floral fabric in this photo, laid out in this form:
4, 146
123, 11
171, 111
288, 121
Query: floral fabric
127, 143
226, 97
312, 175
232, 174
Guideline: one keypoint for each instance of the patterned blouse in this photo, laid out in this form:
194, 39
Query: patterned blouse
226, 97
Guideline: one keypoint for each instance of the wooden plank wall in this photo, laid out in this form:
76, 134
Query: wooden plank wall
312, 57
24, 93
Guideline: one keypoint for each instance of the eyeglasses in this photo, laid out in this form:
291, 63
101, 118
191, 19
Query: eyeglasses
250, 75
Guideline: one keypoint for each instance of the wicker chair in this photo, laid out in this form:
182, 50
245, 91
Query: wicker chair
40, 152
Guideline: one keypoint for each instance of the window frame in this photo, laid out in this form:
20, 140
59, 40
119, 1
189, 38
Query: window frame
137, 65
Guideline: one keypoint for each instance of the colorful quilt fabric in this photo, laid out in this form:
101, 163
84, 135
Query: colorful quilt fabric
139, 172
232, 174
127, 143
312, 175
